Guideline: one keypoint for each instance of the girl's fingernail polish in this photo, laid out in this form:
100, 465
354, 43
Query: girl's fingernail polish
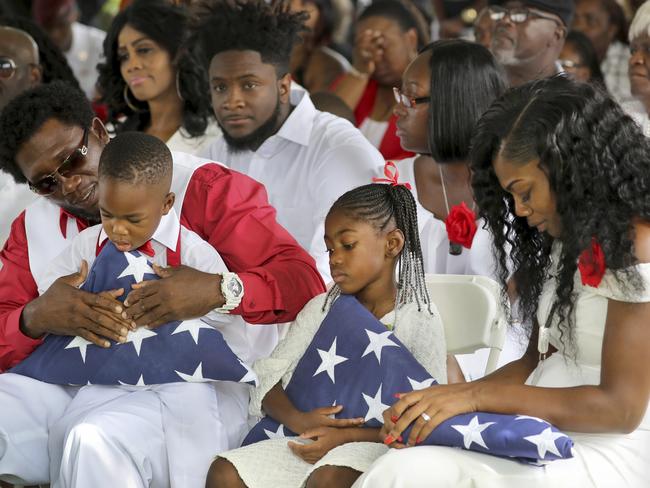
418, 440
394, 418
397, 395
389, 439
400, 438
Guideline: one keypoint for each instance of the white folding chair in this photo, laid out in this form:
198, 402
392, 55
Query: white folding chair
471, 312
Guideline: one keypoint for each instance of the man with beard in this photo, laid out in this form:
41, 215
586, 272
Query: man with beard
529, 35
51, 140
271, 132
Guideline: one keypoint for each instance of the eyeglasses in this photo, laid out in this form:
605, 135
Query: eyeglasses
7, 68
48, 184
568, 64
517, 15
408, 102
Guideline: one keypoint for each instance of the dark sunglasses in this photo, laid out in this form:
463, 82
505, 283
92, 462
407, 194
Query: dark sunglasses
75, 161
408, 102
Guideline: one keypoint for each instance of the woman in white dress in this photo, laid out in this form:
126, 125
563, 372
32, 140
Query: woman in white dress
150, 83
565, 171
444, 92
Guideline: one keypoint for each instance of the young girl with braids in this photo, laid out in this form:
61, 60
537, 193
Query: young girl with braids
369, 231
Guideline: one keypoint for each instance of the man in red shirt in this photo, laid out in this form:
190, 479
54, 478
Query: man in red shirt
51, 141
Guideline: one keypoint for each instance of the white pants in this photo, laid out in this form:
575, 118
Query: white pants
105, 436
28, 409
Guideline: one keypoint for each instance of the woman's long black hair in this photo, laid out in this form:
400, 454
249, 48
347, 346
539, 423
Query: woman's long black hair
167, 25
598, 164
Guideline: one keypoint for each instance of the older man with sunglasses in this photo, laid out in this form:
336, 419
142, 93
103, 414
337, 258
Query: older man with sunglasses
529, 35
51, 140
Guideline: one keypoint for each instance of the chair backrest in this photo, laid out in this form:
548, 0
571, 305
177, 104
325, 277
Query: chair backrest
471, 312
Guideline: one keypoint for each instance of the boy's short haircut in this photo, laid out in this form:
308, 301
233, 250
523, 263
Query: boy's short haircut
136, 158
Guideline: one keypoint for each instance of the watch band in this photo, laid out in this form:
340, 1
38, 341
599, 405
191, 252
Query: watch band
232, 290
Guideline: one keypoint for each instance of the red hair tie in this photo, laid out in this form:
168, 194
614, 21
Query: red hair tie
391, 176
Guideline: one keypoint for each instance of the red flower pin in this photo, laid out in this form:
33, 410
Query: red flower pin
591, 264
461, 225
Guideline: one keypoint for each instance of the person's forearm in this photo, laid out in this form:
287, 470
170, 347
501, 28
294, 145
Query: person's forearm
351, 87
278, 406
577, 409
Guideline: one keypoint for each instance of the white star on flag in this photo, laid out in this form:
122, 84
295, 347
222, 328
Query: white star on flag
375, 406
249, 376
472, 432
545, 442
192, 326
139, 383
81, 343
138, 267
137, 336
377, 343
279, 434
420, 385
526, 417
196, 377
329, 360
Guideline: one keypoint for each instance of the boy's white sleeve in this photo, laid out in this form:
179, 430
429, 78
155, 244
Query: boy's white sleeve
282, 362
82, 247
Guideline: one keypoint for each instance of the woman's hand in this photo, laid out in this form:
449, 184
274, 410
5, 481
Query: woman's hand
438, 402
368, 49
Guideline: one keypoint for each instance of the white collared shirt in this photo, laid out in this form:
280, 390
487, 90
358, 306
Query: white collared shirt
195, 252
313, 159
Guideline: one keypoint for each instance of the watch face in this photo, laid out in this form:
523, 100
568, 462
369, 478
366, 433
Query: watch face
234, 287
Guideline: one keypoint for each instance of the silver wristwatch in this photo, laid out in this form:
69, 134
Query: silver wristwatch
232, 290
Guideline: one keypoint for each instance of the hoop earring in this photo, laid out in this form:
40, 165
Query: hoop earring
178, 86
128, 102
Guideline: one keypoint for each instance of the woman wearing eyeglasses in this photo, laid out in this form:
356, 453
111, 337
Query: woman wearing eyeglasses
578, 59
443, 93
149, 82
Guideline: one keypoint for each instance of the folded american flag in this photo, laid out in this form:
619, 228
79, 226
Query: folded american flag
187, 351
355, 362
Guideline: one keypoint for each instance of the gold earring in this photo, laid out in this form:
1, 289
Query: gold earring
133, 107
178, 86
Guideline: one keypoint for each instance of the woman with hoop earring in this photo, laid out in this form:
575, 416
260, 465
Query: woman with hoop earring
149, 82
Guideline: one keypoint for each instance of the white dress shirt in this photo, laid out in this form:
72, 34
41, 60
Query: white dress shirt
313, 159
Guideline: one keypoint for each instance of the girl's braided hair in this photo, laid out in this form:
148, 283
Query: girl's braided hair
379, 205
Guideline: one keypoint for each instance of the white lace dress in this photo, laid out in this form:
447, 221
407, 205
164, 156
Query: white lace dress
270, 463
601, 460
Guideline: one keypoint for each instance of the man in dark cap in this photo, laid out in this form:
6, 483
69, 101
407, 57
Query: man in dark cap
529, 35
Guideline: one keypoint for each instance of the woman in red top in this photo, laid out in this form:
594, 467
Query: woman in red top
388, 37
